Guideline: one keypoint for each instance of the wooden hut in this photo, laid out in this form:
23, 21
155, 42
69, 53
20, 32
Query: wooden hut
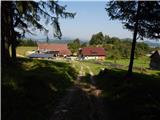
155, 60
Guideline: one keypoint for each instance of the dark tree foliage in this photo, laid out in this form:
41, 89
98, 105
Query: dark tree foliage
26, 42
148, 20
120, 48
97, 39
84, 44
141, 17
20, 17
74, 46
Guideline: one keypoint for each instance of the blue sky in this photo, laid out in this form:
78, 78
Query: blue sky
91, 18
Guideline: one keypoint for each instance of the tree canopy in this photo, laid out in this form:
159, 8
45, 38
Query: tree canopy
141, 17
148, 17
74, 46
97, 39
27, 14
20, 17
120, 48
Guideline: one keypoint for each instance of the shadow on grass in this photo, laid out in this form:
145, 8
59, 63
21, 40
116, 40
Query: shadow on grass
31, 93
135, 98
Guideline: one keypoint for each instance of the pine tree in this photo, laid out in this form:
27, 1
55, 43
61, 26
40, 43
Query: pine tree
141, 17
20, 17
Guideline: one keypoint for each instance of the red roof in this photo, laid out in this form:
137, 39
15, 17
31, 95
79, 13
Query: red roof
93, 51
62, 48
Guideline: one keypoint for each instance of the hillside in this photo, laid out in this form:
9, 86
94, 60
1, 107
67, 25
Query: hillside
31, 88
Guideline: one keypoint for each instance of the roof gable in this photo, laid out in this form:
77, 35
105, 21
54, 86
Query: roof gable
157, 52
93, 51
62, 48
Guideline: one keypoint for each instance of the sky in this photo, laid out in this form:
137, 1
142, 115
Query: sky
91, 18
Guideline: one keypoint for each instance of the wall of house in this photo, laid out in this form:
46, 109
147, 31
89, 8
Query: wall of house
155, 62
101, 57
73, 58
94, 57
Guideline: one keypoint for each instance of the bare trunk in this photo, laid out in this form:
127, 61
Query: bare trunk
132, 52
13, 47
4, 51
134, 42
6, 38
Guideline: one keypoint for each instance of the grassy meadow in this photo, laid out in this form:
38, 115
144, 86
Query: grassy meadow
87, 66
22, 50
31, 88
138, 62
140, 65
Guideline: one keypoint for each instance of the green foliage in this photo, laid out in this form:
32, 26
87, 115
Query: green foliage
27, 42
117, 48
97, 39
34, 11
115, 55
141, 17
84, 45
148, 16
74, 46
20, 17
31, 88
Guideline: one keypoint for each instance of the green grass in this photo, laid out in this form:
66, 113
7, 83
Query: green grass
138, 62
127, 98
140, 65
31, 88
22, 50
76, 65
95, 68
130, 98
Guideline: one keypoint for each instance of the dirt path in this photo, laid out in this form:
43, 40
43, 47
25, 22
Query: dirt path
91, 75
82, 102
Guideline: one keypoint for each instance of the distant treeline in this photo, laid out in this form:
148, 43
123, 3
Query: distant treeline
122, 48
115, 47
27, 42
118, 48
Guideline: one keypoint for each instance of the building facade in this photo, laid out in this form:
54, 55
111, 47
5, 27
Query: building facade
90, 53
155, 60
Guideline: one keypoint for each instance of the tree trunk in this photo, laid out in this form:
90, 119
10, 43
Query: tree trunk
134, 42
5, 51
13, 47
6, 37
